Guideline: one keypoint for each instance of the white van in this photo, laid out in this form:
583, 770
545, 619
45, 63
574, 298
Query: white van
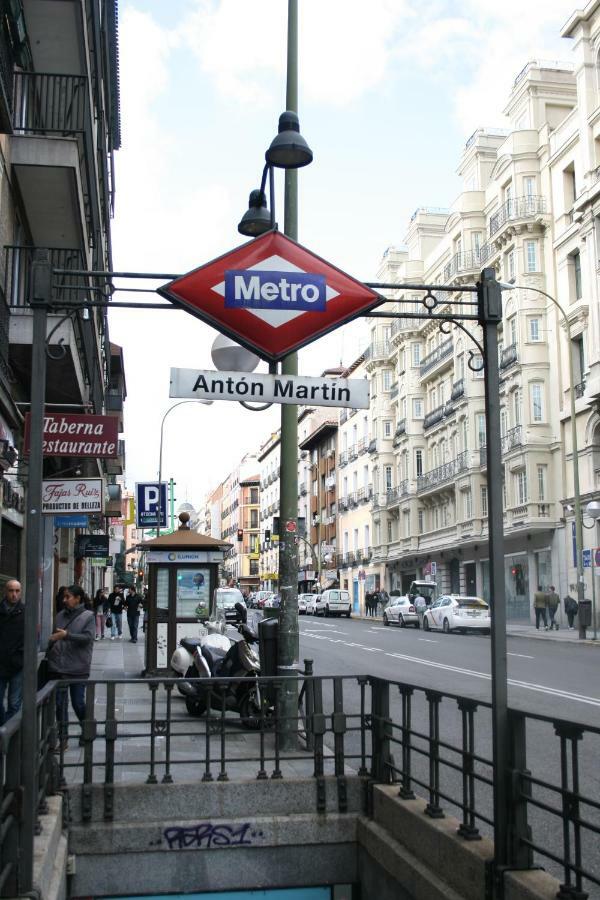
333, 602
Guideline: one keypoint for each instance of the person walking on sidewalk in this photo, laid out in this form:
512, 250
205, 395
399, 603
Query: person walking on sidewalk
12, 637
116, 601
553, 603
571, 609
133, 605
69, 656
540, 602
100, 606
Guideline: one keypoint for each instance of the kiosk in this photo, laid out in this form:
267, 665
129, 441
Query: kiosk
183, 572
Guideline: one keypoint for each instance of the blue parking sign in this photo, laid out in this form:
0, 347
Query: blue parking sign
146, 504
586, 556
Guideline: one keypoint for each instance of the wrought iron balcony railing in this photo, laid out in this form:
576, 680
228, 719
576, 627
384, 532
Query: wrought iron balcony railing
443, 473
458, 389
517, 208
436, 356
579, 389
512, 439
380, 350
508, 356
436, 415
462, 262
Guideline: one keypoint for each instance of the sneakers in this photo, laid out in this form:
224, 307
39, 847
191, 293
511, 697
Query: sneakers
112, 637
545, 628
96, 638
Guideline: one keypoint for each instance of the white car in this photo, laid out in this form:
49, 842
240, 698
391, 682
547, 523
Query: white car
303, 603
311, 604
400, 611
453, 612
333, 602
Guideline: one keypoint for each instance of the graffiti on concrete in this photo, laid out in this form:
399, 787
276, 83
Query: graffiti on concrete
206, 835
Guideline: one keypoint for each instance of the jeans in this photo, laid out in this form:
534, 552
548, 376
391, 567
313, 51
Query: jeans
99, 624
540, 613
552, 612
77, 692
133, 621
14, 683
117, 624
571, 618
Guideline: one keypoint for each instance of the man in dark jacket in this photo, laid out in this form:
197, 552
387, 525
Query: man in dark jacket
12, 621
116, 602
133, 604
70, 655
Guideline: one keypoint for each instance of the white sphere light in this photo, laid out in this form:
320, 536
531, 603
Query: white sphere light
593, 509
231, 357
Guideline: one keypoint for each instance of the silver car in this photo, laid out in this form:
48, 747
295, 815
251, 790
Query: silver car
400, 611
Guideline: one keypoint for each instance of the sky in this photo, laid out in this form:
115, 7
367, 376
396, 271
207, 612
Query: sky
389, 92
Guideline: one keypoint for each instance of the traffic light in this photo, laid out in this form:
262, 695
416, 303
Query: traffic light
267, 535
240, 534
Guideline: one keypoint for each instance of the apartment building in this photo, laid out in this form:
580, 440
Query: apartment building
317, 483
269, 459
516, 212
239, 504
59, 128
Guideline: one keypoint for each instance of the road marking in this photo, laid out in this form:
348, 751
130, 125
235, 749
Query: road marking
429, 641
522, 655
473, 673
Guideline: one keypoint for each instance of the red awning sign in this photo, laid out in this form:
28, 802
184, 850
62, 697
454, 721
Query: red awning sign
271, 295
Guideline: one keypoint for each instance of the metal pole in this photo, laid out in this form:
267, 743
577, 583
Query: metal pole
595, 636
160, 456
490, 317
41, 281
172, 503
288, 643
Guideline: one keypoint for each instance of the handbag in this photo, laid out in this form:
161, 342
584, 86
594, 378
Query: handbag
43, 673
108, 622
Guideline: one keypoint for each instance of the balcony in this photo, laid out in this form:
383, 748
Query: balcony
377, 352
365, 554
508, 356
343, 416
515, 210
352, 453
114, 400
462, 263
512, 438
363, 446
353, 499
432, 418
343, 504
436, 356
343, 459
330, 483
403, 488
372, 446
579, 389
391, 497
394, 390
458, 389
443, 473
117, 466
400, 430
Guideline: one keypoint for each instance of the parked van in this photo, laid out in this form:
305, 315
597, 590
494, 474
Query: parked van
333, 602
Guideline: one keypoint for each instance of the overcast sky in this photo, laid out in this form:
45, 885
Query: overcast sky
389, 92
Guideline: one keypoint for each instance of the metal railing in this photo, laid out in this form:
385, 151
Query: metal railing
458, 389
467, 261
431, 743
436, 415
443, 473
579, 389
512, 438
508, 356
380, 350
47, 103
437, 355
517, 208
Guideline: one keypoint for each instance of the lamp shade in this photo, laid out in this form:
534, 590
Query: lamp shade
288, 149
257, 219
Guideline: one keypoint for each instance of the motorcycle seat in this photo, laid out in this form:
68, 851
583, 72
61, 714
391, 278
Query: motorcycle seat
190, 643
213, 656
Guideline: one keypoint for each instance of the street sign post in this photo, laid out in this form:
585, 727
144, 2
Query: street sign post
271, 295
147, 504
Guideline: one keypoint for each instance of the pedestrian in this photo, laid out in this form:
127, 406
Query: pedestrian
145, 608
540, 602
571, 609
133, 605
553, 603
116, 601
69, 656
58, 600
12, 636
100, 603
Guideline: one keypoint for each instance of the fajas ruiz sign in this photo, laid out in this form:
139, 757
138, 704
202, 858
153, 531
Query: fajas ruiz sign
72, 495
78, 435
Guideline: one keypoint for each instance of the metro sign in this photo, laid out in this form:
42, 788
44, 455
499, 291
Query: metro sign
271, 295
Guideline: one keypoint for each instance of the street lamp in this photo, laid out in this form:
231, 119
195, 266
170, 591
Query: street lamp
160, 454
574, 443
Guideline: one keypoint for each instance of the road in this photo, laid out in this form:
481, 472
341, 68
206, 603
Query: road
546, 677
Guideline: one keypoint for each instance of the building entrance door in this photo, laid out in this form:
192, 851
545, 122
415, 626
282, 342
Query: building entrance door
470, 580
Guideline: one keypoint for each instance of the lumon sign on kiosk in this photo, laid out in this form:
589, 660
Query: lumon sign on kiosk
183, 572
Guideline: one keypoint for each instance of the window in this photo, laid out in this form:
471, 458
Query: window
418, 462
387, 428
535, 329
387, 475
576, 263
417, 406
415, 355
367, 535
389, 531
579, 358
460, 367
355, 539
531, 260
386, 379
477, 364
512, 329
484, 498
537, 401
467, 505
465, 434
541, 481
365, 477
421, 521
529, 186
402, 360
509, 265
476, 243
517, 407
345, 487
406, 523
480, 425
521, 487
386, 332
404, 407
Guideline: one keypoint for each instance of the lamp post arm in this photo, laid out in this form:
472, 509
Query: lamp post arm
160, 456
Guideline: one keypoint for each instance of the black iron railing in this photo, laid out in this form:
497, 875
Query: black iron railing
431, 743
48, 103
437, 355
466, 261
517, 208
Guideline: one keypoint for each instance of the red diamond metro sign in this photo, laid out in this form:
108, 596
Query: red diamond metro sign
272, 295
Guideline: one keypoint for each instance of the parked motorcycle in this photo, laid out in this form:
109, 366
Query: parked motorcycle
206, 658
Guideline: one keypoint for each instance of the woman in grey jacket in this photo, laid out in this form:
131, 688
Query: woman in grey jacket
70, 655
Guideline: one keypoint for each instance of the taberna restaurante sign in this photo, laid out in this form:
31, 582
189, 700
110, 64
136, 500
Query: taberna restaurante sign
200, 384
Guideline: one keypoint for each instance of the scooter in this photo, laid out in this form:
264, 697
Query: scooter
211, 660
